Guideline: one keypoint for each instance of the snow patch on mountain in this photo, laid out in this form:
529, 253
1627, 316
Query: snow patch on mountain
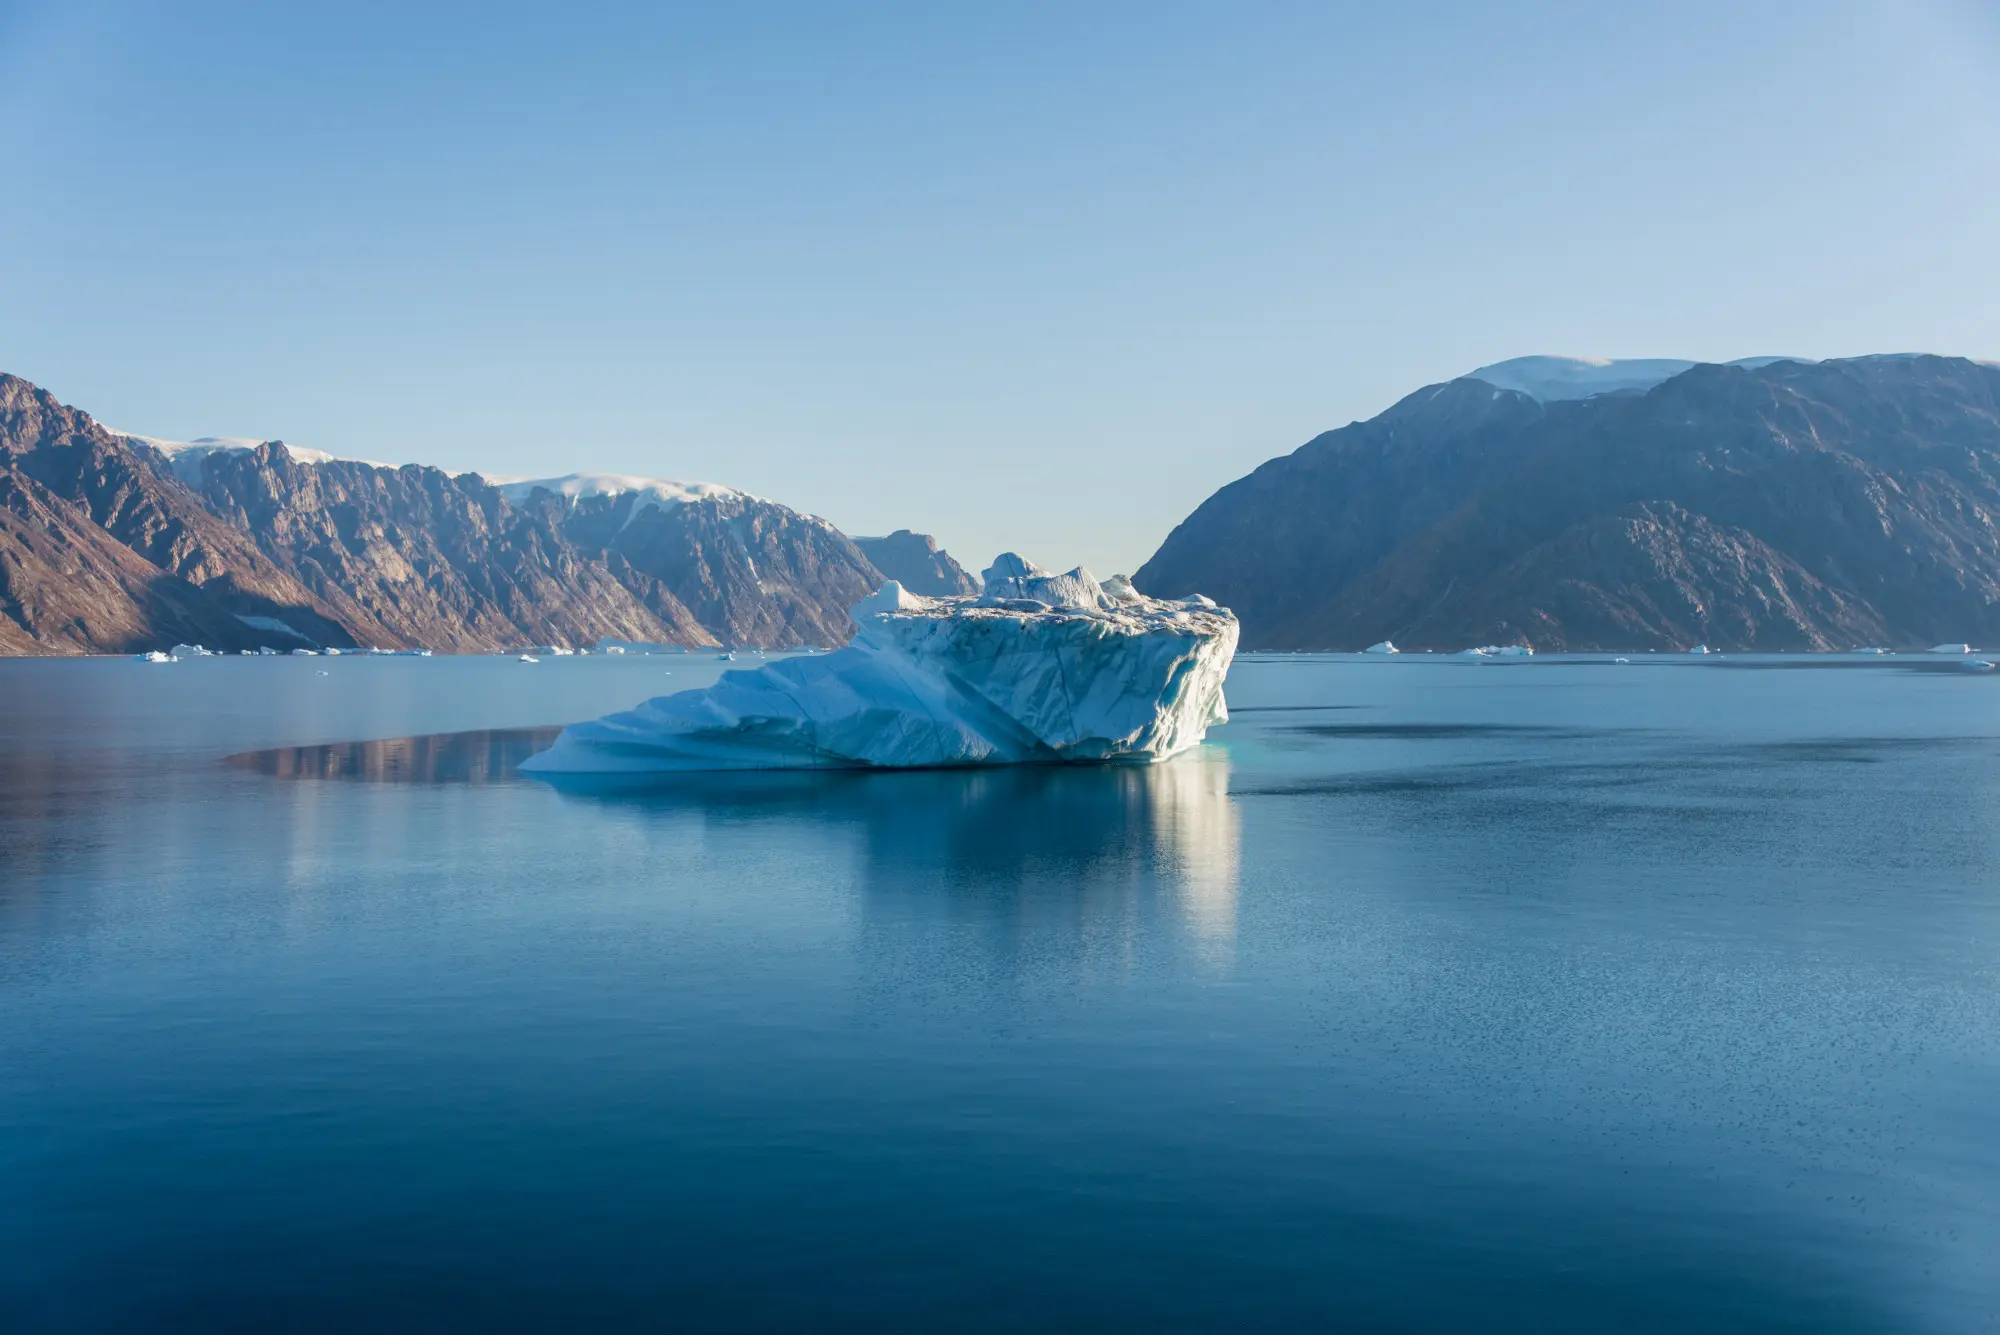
1550, 379
186, 455
573, 487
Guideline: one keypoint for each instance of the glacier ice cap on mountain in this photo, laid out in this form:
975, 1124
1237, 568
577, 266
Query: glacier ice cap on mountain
1550, 379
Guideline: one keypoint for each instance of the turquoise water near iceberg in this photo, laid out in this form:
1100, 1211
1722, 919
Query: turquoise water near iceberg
1556, 996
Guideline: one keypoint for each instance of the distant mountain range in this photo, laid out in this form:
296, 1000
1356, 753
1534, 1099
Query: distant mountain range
1565, 503
1570, 503
116, 543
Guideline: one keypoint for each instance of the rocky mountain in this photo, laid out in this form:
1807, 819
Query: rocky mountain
915, 561
100, 552
414, 556
114, 543
750, 571
1772, 504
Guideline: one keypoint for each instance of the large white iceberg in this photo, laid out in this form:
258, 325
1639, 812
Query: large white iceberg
1038, 669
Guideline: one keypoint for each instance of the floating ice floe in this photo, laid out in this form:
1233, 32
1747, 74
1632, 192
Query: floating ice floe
1700, 649
1385, 647
529, 658
1039, 669
156, 656
1951, 649
1976, 665
188, 651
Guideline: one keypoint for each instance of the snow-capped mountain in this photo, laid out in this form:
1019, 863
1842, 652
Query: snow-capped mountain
1574, 503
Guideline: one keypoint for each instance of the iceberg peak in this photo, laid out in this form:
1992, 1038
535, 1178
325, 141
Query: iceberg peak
891, 597
1011, 576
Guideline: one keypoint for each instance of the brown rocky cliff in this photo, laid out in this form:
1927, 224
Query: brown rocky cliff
434, 560
155, 518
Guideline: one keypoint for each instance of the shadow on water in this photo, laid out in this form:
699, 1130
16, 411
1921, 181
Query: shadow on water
1439, 731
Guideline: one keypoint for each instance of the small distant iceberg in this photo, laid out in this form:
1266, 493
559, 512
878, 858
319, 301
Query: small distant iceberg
305, 653
1701, 649
156, 656
1950, 649
1038, 669
1495, 651
1976, 665
189, 651
606, 644
1385, 647
529, 658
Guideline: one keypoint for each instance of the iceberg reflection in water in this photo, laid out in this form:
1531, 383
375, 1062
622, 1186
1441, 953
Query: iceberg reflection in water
1093, 833
1076, 841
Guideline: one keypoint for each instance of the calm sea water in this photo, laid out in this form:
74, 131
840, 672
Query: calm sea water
1428, 997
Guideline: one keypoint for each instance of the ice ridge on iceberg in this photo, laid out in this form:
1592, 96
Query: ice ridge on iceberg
1037, 669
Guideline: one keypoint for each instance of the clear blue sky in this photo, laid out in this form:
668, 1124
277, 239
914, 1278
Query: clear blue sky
1030, 276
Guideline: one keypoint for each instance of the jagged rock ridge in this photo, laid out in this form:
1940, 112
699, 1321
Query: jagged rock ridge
109, 545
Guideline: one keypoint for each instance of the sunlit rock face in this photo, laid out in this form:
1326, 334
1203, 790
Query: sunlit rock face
1039, 669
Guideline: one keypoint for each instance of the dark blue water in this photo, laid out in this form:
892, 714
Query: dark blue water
1429, 997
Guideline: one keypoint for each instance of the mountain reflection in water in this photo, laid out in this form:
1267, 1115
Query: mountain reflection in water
489, 756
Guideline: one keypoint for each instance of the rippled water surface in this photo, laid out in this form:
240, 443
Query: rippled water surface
1430, 996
